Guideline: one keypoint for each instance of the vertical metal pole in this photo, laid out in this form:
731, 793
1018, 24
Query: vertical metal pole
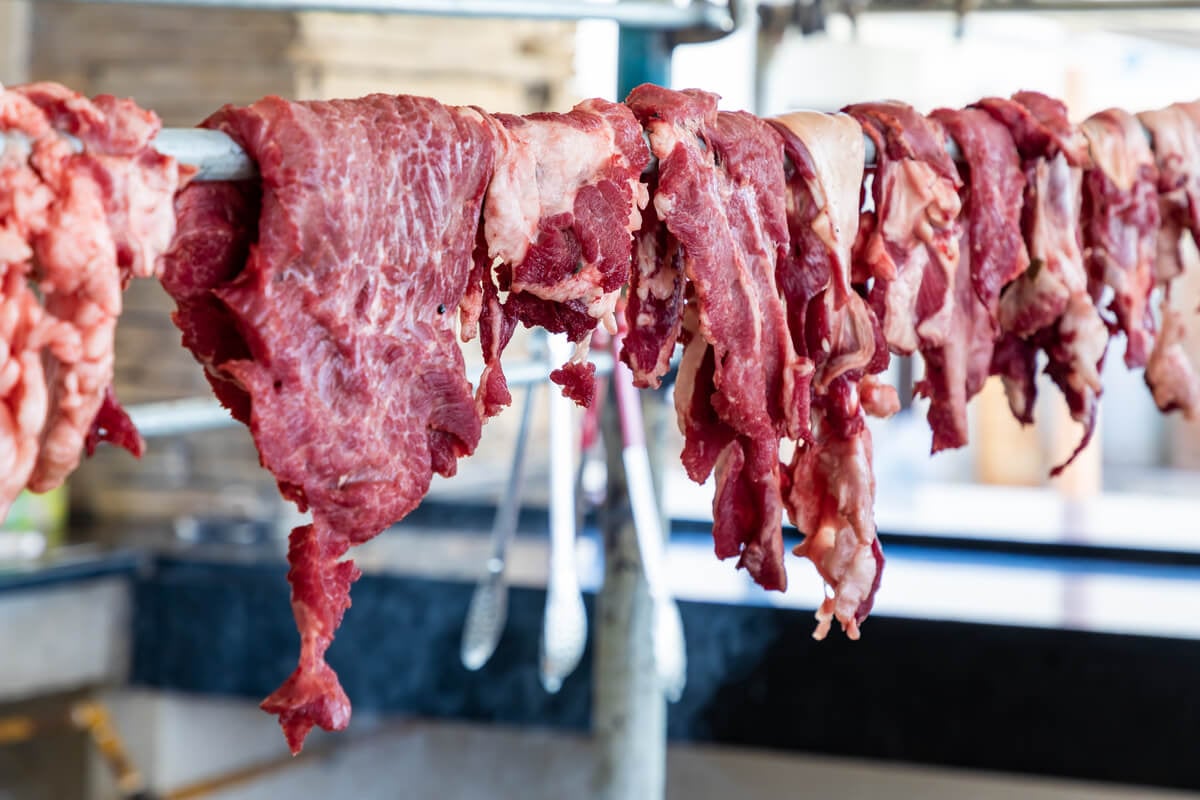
629, 710
643, 56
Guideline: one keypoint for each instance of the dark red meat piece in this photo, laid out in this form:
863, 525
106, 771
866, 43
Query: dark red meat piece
1049, 305
991, 253
329, 327
720, 194
113, 425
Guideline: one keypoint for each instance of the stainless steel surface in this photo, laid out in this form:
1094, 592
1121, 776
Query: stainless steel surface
634, 13
174, 417
215, 156
564, 627
489, 604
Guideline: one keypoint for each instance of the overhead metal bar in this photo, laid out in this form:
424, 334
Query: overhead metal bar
646, 14
1032, 6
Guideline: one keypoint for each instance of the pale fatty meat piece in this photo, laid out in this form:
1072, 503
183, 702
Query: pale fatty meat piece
325, 314
909, 242
1121, 222
834, 505
1170, 374
558, 219
1049, 307
1176, 135
829, 490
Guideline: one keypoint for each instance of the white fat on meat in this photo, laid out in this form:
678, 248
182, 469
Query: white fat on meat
835, 143
1086, 336
1169, 372
539, 170
1056, 271
921, 205
835, 510
838, 151
1119, 157
24, 401
1177, 153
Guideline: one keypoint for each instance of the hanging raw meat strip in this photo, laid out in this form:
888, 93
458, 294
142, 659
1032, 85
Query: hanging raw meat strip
1169, 372
909, 242
720, 195
558, 221
829, 484
324, 312
1048, 308
79, 225
655, 303
991, 254
1120, 224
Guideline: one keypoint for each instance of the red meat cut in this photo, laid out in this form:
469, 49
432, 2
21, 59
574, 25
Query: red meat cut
324, 313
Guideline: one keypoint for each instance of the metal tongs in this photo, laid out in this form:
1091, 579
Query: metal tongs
670, 654
564, 627
488, 611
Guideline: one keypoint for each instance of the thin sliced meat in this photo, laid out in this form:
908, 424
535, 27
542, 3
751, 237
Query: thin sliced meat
1170, 374
720, 194
829, 490
909, 242
834, 504
1176, 135
329, 324
559, 219
991, 254
1121, 219
1049, 306
654, 310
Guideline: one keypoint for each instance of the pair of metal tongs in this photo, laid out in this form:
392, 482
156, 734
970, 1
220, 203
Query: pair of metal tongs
564, 628
670, 654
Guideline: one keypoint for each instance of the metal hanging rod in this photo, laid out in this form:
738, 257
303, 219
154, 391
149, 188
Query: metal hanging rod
646, 14
216, 157
1033, 6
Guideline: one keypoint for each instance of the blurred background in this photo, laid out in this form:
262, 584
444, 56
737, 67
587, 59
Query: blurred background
154, 587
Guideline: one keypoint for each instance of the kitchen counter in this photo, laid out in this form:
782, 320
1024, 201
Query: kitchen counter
1067, 662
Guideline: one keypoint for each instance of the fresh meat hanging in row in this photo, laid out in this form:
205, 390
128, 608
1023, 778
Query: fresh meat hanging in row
324, 300
326, 320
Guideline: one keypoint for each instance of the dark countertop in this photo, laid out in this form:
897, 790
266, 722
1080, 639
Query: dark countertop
71, 564
1073, 661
